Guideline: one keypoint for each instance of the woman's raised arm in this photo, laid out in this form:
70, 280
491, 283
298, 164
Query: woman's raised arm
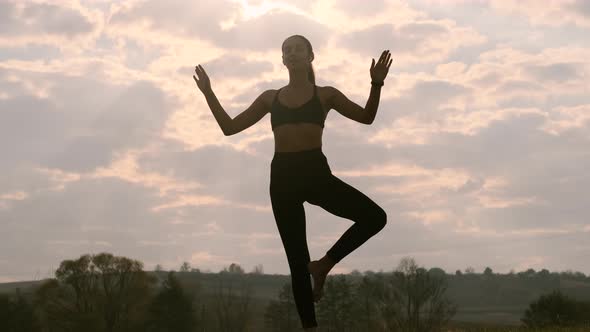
223, 119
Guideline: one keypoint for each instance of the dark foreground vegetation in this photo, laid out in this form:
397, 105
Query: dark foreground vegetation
108, 293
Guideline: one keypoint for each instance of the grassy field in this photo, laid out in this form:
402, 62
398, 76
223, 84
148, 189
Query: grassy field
517, 329
468, 328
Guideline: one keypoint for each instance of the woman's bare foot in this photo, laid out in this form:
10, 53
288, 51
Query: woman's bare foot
319, 276
319, 270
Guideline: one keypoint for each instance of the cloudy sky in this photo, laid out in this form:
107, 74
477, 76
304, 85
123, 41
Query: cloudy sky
479, 152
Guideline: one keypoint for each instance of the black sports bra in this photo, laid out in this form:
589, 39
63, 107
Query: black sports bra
311, 112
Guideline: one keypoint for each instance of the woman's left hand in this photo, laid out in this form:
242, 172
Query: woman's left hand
380, 70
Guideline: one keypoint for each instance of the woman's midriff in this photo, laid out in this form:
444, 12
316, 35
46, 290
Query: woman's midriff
297, 137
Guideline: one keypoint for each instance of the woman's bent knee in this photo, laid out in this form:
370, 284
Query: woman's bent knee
380, 218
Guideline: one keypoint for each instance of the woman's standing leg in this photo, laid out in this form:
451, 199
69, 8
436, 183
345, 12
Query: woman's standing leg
290, 220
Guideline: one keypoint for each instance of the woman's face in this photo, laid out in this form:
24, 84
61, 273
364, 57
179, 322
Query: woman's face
295, 52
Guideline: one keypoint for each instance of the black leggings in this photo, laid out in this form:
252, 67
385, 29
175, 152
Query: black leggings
297, 177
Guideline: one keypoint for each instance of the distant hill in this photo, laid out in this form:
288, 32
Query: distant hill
10, 287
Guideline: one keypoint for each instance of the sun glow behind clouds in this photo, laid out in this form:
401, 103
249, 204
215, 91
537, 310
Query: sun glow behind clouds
251, 11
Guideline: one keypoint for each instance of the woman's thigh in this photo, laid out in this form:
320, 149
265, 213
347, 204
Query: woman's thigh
289, 214
341, 199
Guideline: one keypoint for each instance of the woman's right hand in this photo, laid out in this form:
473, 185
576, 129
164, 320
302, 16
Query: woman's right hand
203, 82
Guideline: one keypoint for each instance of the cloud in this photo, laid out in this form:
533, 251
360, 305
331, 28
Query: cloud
416, 41
564, 119
30, 130
552, 13
46, 23
29, 52
202, 21
580, 6
44, 127
196, 19
364, 9
54, 220
231, 66
556, 72
255, 35
437, 91
31, 18
217, 168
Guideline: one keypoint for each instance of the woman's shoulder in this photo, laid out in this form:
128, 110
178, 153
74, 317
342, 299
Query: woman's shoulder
326, 91
269, 95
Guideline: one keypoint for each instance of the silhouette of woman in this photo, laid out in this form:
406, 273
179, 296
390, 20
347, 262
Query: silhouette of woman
300, 170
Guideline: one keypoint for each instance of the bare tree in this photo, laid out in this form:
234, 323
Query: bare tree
18, 314
281, 315
233, 310
258, 269
233, 268
185, 267
95, 292
124, 286
172, 309
369, 297
416, 299
336, 310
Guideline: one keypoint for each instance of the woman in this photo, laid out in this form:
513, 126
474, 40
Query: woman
299, 169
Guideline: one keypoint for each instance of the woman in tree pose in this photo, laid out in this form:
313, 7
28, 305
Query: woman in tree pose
299, 169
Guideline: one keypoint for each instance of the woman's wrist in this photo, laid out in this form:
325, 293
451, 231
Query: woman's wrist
377, 83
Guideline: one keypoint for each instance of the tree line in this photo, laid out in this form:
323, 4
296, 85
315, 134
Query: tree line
104, 292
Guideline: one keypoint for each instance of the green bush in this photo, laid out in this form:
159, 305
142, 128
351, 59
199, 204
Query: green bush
556, 310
